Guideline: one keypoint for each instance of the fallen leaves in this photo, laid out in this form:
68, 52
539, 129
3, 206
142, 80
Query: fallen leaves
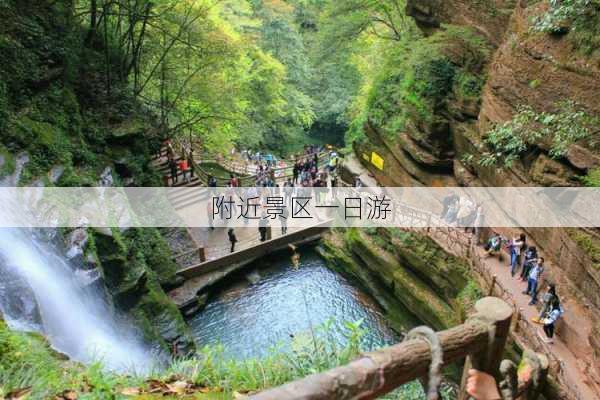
175, 386
67, 395
172, 387
131, 392
18, 394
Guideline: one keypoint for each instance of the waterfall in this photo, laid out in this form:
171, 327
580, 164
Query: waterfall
74, 317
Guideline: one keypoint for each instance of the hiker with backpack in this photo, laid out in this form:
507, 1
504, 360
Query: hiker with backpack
530, 258
493, 245
547, 301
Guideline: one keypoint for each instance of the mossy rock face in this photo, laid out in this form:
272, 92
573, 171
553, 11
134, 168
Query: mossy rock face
413, 292
433, 286
135, 264
128, 130
427, 81
445, 273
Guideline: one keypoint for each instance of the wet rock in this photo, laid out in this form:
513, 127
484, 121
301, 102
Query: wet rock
77, 240
106, 178
196, 306
135, 264
55, 173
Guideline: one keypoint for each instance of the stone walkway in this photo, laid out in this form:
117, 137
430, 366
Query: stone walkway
572, 370
570, 365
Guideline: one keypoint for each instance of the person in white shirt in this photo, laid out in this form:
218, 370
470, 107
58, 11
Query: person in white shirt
516, 245
533, 280
549, 322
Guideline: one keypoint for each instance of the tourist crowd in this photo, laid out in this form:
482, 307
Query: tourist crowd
309, 170
524, 262
527, 266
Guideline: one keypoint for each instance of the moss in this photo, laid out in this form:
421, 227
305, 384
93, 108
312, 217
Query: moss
135, 264
467, 298
589, 244
157, 254
7, 162
421, 75
414, 293
445, 273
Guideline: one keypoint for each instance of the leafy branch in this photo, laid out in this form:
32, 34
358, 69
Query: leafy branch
568, 125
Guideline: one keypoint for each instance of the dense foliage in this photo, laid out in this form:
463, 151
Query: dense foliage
579, 18
568, 125
419, 79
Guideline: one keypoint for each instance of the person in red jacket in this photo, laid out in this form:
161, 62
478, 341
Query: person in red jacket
183, 166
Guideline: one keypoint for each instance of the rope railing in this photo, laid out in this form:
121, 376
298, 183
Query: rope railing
460, 243
481, 340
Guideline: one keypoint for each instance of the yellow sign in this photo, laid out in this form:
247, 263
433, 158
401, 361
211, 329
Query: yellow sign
366, 157
377, 161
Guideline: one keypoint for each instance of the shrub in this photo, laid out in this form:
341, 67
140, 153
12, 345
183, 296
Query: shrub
3, 105
7, 166
421, 75
562, 128
581, 18
592, 179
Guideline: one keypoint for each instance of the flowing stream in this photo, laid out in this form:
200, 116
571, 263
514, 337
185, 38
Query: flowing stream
263, 310
39, 290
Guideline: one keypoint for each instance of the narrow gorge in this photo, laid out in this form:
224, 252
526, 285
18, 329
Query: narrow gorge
392, 93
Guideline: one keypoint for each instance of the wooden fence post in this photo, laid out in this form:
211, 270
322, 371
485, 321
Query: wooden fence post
499, 314
202, 254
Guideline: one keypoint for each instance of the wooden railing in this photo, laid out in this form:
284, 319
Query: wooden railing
245, 171
481, 340
254, 250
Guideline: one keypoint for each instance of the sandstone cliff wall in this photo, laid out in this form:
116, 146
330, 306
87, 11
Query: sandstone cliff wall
523, 67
